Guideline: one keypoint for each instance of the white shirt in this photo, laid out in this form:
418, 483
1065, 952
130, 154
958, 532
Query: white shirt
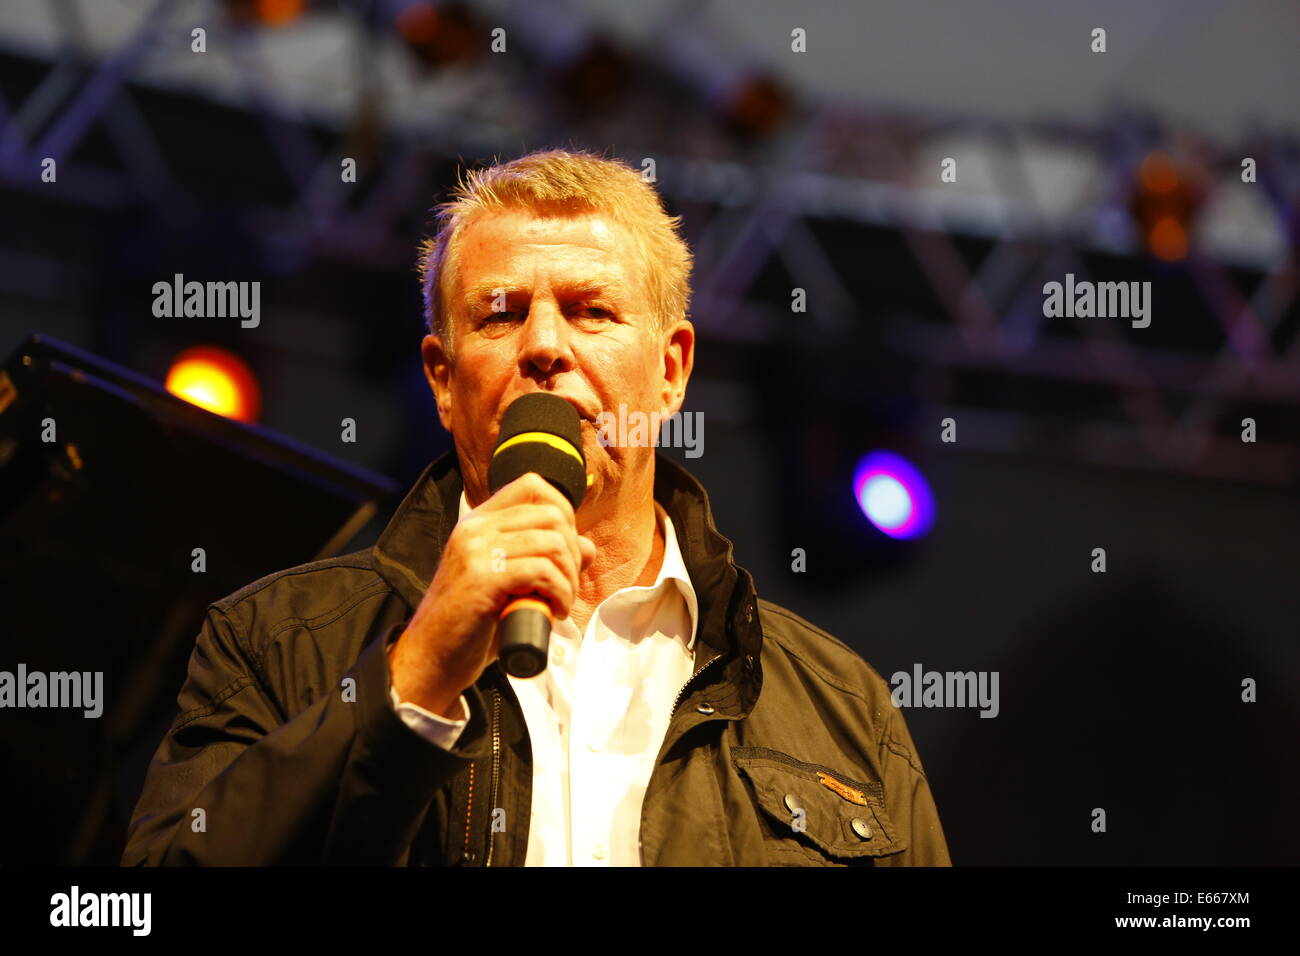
597, 716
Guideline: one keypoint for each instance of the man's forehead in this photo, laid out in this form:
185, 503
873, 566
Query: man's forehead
596, 228
586, 281
498, 257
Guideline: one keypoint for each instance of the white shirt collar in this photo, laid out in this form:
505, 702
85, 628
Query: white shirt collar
673, 567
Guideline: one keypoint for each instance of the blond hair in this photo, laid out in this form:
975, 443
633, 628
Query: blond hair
562, 182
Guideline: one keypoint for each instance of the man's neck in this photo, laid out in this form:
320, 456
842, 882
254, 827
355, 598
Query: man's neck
629, 553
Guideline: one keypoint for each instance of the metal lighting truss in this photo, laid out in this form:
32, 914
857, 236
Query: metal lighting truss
1042, 196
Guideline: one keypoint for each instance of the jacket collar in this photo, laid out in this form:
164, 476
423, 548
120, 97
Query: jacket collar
407, 554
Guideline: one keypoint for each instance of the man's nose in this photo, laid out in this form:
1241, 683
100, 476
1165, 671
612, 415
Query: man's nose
544, 345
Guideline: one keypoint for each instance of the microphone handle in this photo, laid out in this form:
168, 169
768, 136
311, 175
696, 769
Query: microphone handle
524, 636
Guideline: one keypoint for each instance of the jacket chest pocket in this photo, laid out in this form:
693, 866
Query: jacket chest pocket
814, 814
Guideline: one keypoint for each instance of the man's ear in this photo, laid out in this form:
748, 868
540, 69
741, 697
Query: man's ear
678, 360
437, 371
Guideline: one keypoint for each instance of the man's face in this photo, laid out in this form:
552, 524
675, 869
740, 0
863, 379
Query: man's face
553, 304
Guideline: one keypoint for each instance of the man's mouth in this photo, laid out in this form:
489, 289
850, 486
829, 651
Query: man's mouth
577, 407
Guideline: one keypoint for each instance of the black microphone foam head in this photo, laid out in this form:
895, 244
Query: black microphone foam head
542, 433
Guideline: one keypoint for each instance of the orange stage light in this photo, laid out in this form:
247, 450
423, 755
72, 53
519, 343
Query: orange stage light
1164, 202
217, 380
268, 13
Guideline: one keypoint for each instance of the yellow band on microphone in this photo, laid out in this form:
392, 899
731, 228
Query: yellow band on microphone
529, 604
545, 438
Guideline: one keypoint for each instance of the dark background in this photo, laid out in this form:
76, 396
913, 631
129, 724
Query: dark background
820, 171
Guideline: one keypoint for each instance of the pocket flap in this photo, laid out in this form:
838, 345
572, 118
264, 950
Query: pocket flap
842, 816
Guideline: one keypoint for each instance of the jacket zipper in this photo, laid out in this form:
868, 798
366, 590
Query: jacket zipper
676, 702
496, 768
690, 681
469, 815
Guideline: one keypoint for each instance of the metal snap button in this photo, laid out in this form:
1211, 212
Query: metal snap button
861, 828
705, 709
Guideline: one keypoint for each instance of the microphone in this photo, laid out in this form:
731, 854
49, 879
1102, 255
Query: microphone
541, 433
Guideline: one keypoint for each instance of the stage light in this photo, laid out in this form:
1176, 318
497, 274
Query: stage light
893, 495
757, 107
440, 34
270, 13
1163, 202
217, 380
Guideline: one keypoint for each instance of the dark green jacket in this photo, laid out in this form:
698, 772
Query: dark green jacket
784, 748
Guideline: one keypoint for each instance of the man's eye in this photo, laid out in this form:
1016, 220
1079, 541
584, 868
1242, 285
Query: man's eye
593, 313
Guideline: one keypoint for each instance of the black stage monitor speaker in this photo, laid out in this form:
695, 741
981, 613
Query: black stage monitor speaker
124, 511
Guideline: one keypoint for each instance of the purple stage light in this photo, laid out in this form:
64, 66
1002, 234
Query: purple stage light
893, 495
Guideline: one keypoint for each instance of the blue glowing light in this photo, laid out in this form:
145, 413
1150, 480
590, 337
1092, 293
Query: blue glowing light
893, 495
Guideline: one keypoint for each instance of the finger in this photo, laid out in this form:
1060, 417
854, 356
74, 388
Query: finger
545, 543
533, 574
523, 517
530, 517
528, 488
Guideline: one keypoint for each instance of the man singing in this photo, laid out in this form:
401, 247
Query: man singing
353, 710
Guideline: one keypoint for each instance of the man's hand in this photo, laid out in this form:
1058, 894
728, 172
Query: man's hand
523, 539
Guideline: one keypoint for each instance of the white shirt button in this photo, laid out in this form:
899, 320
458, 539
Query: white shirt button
557, 654
593, 746
598, 852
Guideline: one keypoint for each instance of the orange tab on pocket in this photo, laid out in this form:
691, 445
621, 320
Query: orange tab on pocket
844, 790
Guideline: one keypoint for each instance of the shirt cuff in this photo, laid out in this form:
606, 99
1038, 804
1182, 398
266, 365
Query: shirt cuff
440, 731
